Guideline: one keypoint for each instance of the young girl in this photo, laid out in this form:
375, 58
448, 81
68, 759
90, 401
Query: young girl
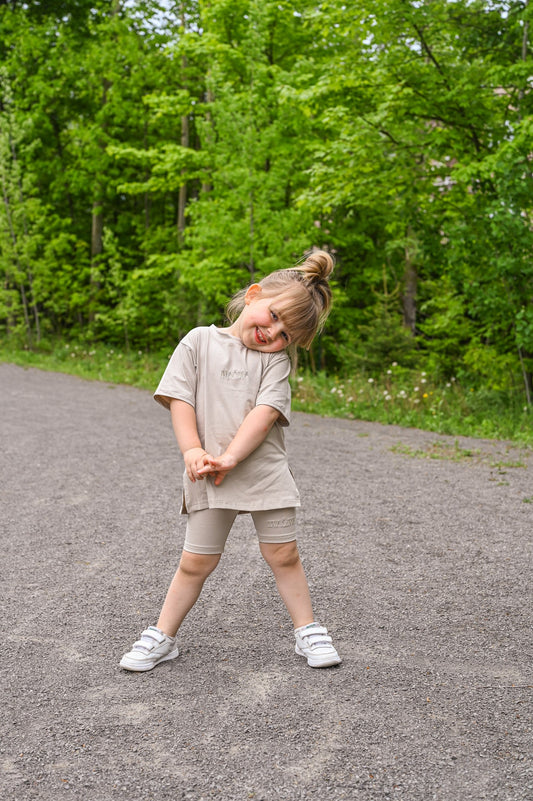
229, 397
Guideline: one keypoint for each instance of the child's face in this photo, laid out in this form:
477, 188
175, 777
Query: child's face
261, 325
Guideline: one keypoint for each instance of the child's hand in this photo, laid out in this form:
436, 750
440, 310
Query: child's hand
218, 467
195, 458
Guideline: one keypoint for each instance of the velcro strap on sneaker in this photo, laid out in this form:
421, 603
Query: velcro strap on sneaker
154, 634
312, 631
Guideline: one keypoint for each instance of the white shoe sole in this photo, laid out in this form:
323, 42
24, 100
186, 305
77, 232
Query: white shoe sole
141, 667
318, 662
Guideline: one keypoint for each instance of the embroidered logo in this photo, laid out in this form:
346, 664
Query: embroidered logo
283, 523
234, 375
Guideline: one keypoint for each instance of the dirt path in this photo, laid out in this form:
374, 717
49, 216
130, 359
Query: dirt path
420, 567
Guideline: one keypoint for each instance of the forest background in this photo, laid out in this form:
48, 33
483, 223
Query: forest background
157, 156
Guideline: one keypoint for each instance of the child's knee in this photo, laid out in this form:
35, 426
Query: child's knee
197, 565
281, 556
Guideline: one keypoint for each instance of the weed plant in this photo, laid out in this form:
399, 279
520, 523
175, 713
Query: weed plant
409, 398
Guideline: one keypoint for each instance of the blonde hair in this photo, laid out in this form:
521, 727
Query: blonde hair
304, 297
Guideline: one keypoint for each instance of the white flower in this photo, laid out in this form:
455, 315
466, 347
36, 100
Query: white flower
389, 372
388, 397
416, 400
370, 380
423, 381
416, 389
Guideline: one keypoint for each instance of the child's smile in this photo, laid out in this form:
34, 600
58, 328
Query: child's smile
260, 326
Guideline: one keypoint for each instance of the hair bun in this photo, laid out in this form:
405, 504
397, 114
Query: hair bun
318, 266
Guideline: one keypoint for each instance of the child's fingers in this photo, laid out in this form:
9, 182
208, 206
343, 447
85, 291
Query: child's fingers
208, 468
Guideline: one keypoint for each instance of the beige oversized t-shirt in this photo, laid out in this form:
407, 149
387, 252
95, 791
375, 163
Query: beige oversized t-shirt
223, 380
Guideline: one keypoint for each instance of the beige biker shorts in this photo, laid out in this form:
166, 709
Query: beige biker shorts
208, 529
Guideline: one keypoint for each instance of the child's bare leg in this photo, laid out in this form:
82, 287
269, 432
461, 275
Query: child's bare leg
185, 588
284, 561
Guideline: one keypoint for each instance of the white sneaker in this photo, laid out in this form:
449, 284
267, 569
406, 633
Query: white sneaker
313, 642
152, 648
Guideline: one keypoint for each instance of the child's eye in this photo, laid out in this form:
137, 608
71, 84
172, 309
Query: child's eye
275, 318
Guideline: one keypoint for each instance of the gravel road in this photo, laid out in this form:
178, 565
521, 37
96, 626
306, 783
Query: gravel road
418, 552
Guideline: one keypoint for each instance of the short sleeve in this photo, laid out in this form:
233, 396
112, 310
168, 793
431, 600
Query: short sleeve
179, 379
275, 389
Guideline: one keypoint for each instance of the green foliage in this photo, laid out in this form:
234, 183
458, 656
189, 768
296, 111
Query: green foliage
155, 158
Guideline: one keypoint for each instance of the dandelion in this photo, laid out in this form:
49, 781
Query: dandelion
388, 397
333, 390
389, 372
448, 385
423, 381
370, 380
422, 373
395, 364
299, 379
415, 389
416, 400
425, 395
140, 352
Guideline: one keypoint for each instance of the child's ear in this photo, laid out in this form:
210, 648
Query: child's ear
252, 293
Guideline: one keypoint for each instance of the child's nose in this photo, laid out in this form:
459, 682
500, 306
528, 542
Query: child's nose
275, 329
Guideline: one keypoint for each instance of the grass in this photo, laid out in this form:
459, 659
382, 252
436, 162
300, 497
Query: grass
413, 399
410, 399
451, 451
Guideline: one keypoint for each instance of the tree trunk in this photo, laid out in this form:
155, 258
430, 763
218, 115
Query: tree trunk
410, 287
527, 377
13, 237
182, 200
97, 247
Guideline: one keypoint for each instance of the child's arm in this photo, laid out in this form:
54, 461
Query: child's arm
251, 433
183, 418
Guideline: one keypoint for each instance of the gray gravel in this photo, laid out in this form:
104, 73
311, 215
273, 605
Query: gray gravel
420, 568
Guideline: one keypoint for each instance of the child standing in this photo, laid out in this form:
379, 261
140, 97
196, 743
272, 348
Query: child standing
229, 397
